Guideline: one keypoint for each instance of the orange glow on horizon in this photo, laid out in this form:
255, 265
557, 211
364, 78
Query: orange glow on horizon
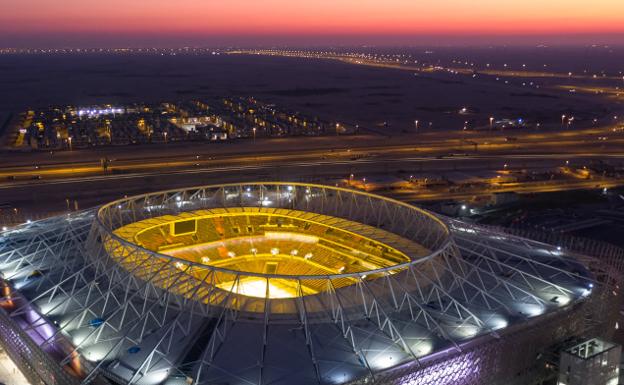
307, 17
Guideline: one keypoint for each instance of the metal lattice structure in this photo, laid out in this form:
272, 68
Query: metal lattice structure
102, 308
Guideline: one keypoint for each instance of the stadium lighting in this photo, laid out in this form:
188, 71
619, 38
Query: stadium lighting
355, 263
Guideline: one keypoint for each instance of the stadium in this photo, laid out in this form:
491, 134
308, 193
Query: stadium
288, 283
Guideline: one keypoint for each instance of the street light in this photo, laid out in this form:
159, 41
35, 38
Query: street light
416, 125
491, 122
562, 120
254, 134
69, 141
165, 134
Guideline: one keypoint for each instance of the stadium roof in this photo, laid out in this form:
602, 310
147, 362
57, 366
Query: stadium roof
105, 307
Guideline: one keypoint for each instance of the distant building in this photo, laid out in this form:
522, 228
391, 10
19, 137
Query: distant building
593, 362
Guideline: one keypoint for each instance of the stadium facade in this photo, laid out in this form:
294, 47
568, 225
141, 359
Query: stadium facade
289, 283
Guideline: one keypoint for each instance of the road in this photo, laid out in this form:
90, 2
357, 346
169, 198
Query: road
588, 142
37, 198
76, 178
382, 62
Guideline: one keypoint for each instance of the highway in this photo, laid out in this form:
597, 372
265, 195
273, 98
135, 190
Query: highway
383, 62
593, 142
76, 178
54, 195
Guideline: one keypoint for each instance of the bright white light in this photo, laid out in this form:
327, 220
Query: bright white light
94, 353
294, 252
529, 309
422, 348
560, 299
465, 331
205, 260
231, 254
293, 237
28, 221
178, 199
464, 207
307, 256
80, 336
51, 308
383, 361
496, 322
257, 287
4, 228
274, 251
466, 230
156, 377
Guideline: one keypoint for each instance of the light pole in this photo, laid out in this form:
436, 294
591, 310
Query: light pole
463, 139
416, 125
69, 141
491, 123
254, 134
562, 120
165, 133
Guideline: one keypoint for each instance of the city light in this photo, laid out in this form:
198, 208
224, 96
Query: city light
236, 193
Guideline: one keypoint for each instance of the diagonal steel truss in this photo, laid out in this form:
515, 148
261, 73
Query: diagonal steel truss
107, 307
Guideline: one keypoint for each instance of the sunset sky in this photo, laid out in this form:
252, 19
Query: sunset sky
168, 22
